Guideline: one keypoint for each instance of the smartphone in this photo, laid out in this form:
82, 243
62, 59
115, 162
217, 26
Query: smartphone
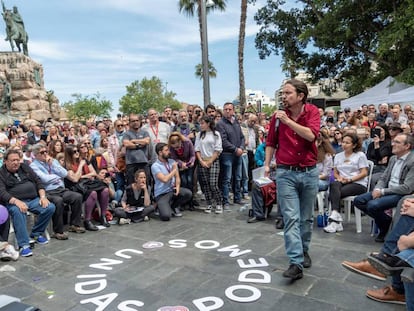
375, 132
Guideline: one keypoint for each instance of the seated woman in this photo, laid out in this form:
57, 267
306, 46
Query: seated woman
136, 201
115, 196
53, 135
380, 150
325, 160
7, 251
80, 169
350, 171
55, 147
337, 141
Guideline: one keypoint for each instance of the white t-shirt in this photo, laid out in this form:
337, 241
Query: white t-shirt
209, 144
349, 167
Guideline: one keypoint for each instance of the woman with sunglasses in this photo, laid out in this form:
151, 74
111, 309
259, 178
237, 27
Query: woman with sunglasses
80, 168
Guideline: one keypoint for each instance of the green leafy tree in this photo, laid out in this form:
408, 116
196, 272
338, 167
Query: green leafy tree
356, 42
212, 71
85, 107
145, 94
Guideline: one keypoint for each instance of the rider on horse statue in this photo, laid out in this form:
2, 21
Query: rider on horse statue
16, 34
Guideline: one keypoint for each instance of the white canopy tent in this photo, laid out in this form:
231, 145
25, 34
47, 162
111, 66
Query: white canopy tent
376, 95
404, 96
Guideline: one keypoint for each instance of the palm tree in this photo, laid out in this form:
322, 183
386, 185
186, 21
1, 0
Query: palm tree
242, 35
190, 7
212, 71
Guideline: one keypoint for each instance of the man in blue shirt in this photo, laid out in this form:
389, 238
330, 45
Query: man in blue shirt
167, 190
51, 173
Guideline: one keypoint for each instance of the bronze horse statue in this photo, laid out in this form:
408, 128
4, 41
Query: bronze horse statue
15, 31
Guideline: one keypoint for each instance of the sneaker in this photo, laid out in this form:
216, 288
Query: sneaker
386, 294
307, 261
334, 227
335, 216
387, 264
124, 221
157, 212
9, 253
177, 212
227, 208
219, 209
146, 218
208, 209
41, 240
294, 272
26, 252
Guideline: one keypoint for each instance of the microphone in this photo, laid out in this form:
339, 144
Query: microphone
282, 108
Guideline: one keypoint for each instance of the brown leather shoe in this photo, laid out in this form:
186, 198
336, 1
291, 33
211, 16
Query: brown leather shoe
76, 229
60, 236
386, 294
364, 267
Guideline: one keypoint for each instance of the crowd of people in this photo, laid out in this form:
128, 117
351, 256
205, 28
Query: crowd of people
139, 167
128, 169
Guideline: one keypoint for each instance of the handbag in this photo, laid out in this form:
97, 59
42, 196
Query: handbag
85, 186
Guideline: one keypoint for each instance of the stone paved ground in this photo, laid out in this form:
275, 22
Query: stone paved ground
168, 276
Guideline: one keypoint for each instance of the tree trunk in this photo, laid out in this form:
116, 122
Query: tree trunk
242, 35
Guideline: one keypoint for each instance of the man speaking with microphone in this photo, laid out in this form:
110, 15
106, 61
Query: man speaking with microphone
292, 136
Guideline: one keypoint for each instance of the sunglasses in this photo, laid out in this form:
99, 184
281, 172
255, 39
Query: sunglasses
136, 120
43, 152
76, 151
120, 125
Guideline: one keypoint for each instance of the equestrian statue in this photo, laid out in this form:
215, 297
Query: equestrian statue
16, 34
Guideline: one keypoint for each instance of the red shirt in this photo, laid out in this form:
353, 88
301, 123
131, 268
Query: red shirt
293, 149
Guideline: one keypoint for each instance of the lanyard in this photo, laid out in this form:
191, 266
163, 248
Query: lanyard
154, 132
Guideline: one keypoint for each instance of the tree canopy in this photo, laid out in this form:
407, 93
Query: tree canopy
356, 42
145, 94
85, 107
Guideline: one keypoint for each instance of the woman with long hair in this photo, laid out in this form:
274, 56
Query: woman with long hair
380, 150
337, 141
80, 168
55, 147
136, 201
208, 146
182, 151
325, 159
53, 134
350, 172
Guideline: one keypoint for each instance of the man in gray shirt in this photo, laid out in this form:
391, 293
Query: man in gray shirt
136, 141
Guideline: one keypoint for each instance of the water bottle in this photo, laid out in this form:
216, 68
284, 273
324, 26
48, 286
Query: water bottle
320, 220
244, 208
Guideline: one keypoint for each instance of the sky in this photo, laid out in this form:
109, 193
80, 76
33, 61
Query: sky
90, 46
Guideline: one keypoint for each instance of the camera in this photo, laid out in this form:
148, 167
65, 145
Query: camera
107, 175
329, 120
197, 112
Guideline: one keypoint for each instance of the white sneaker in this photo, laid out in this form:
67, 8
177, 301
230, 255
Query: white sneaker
9, 253
124, 221
335, 216
333, 227
208, 209
219, 209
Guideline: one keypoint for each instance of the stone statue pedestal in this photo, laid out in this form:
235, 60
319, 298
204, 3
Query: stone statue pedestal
30, 100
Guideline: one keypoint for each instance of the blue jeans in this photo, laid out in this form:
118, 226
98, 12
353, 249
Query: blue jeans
245, 173
118, 195
186, 177
19, 220
230, 172
296, 193
375, 208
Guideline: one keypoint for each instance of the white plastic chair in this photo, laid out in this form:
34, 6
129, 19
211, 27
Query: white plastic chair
349, 199
320, 200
